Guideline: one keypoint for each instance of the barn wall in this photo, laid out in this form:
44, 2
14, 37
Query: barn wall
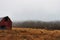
8, 23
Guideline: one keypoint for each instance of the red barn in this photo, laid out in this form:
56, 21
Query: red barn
5, 23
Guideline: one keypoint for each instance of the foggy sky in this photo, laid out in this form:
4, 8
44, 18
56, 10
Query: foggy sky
21, 10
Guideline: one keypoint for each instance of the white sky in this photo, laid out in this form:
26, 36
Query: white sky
20, 10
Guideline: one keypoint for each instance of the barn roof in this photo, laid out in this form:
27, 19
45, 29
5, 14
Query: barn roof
2, 17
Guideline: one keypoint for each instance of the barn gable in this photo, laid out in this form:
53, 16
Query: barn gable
5, 23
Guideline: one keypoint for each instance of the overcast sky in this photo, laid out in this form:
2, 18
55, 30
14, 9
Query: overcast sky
20, 10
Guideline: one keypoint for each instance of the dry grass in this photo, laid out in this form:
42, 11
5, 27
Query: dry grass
29, 34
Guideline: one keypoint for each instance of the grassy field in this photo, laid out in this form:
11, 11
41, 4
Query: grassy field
29, 34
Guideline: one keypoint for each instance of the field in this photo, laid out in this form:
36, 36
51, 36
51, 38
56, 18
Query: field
29, 34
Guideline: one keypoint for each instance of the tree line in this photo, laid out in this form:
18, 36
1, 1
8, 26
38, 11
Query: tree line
38, 24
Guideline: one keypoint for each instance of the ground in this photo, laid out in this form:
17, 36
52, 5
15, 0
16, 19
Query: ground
29, 34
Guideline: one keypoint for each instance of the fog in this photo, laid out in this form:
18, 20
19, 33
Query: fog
21, 10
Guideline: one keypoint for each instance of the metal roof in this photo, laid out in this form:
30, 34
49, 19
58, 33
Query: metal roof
2, 17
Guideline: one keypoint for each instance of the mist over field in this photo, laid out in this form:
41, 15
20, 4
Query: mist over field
31, 19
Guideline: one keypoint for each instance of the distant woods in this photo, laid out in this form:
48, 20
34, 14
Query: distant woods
38, 24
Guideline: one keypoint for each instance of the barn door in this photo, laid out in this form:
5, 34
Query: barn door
3, 27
